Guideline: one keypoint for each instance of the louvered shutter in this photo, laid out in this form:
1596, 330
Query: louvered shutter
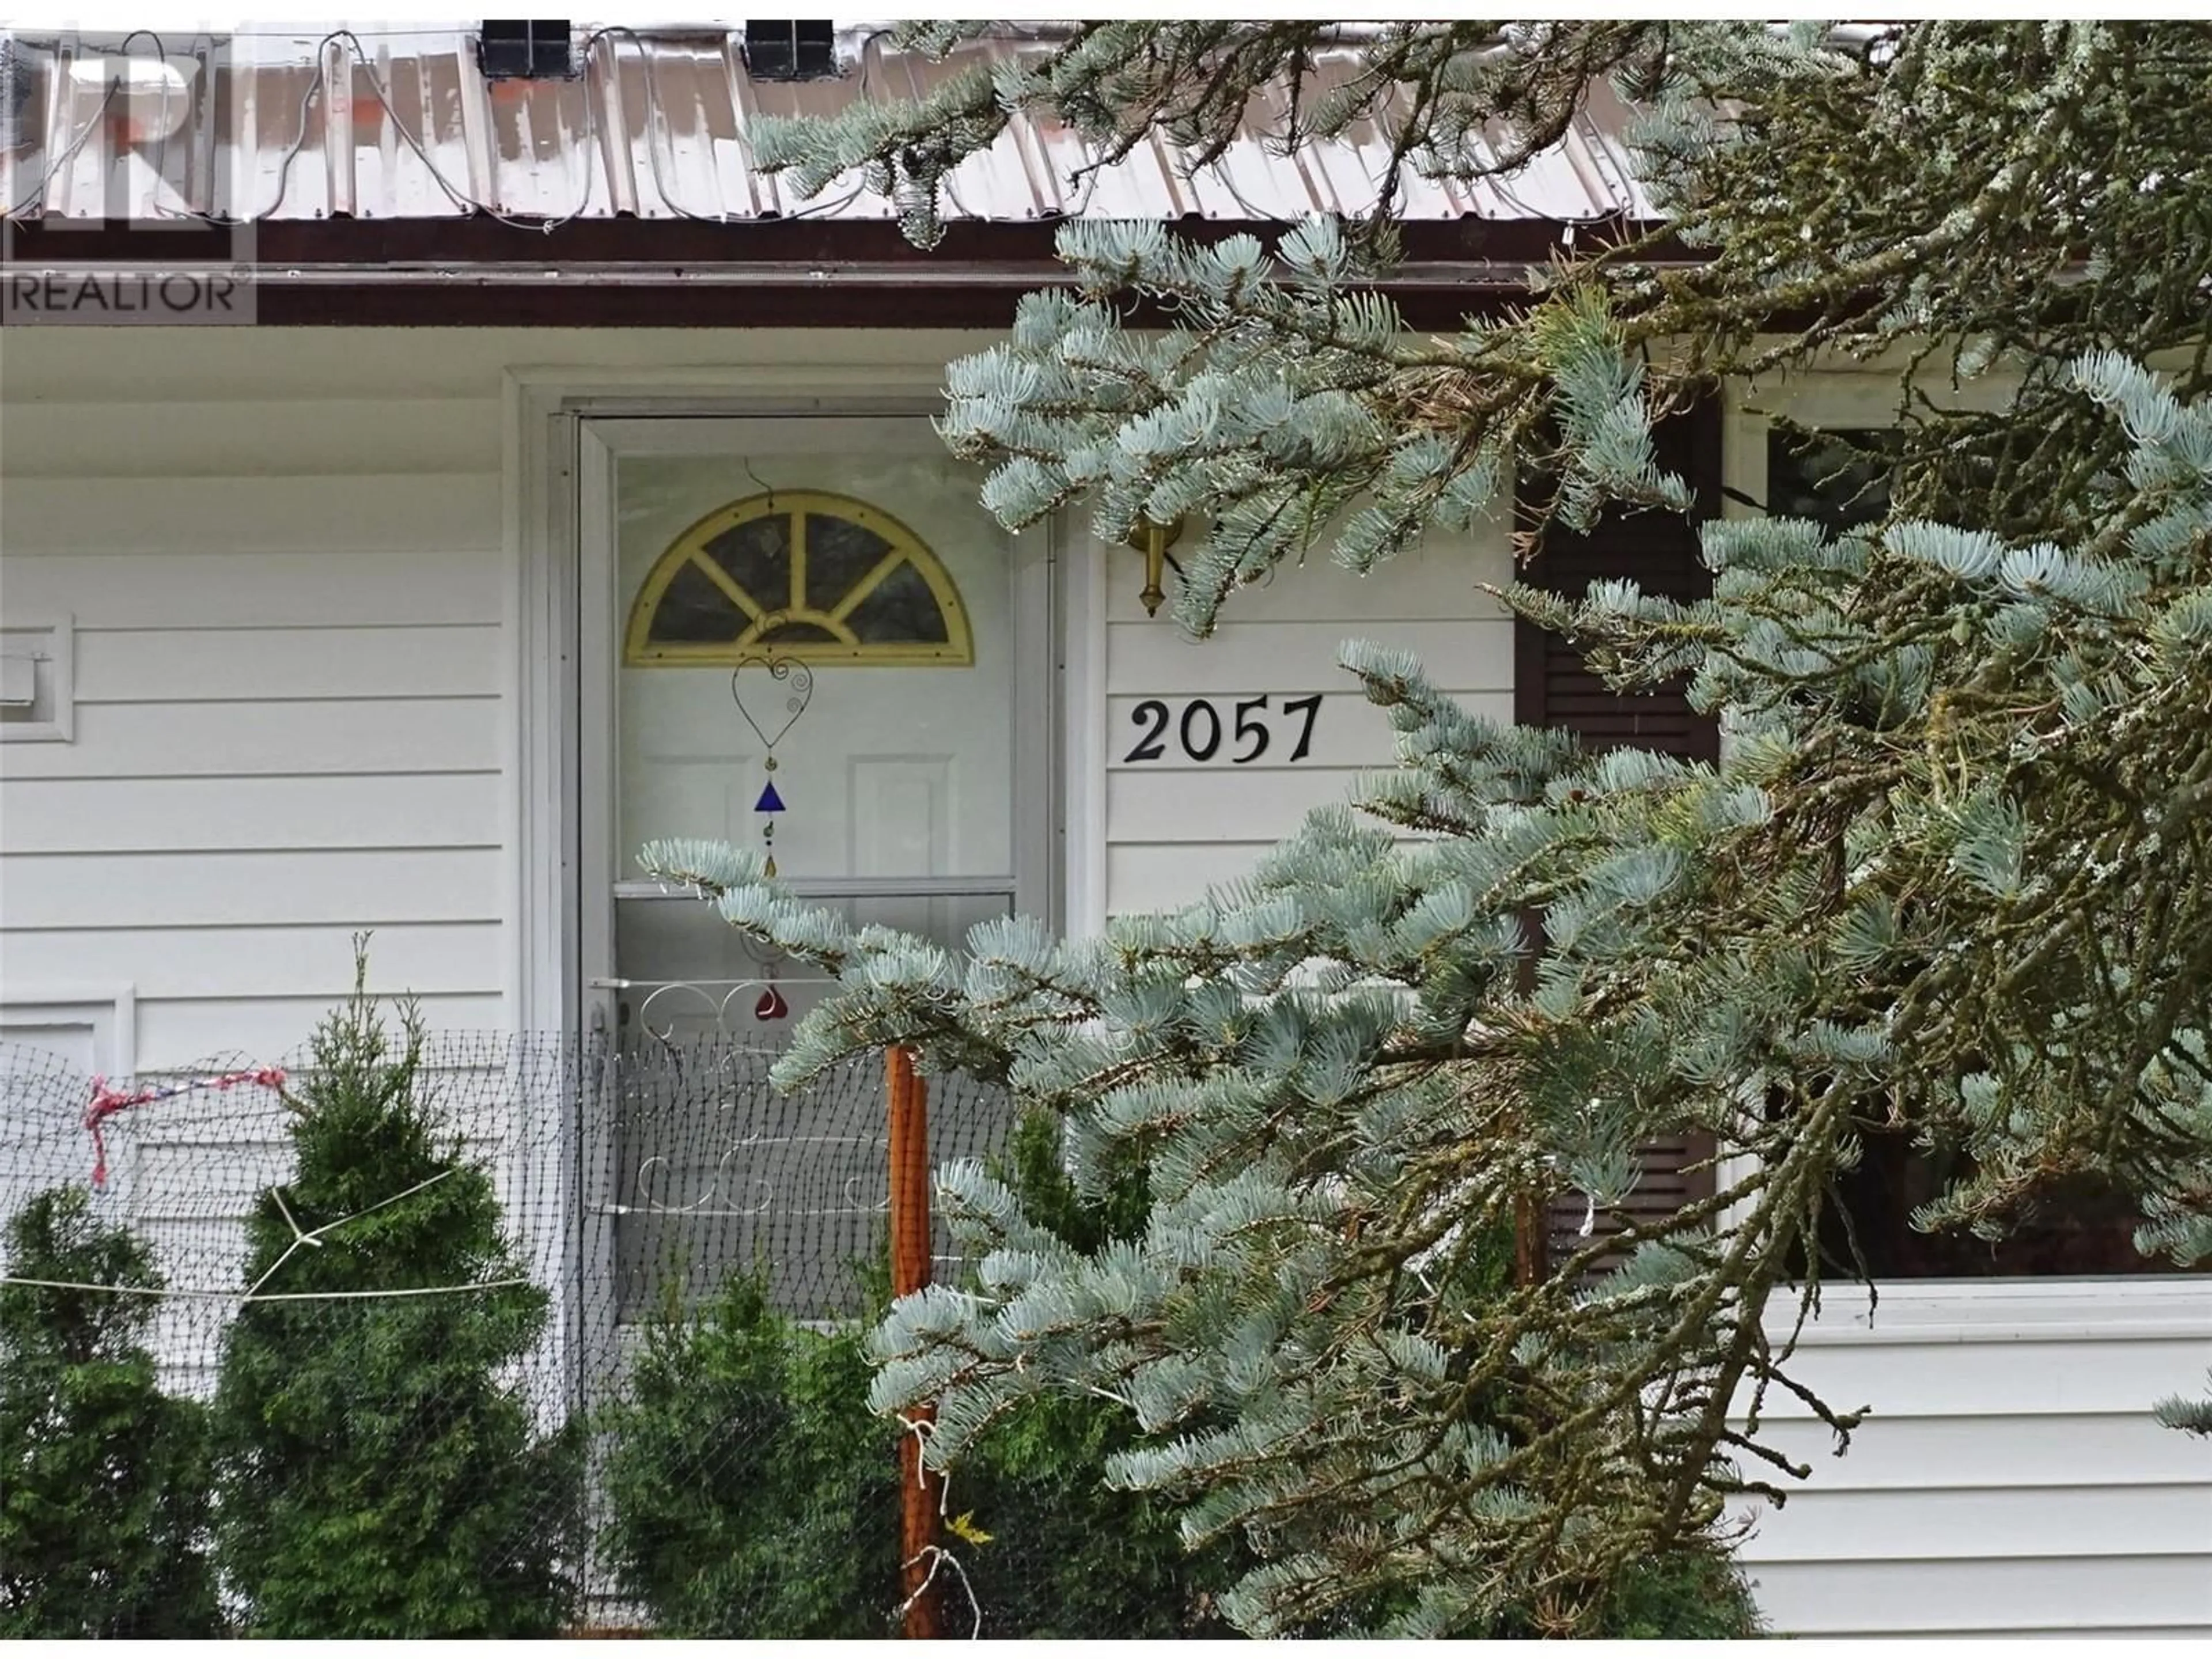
1659, 550
1552, 686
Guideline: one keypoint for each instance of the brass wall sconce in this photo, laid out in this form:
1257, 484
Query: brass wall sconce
1153, 540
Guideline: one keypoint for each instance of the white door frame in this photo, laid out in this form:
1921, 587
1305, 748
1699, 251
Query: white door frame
545, 411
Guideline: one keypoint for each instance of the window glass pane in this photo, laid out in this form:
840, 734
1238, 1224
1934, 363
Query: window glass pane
838, 554
1827, 478
2082, 1229
900, 610
694, 611
758, 556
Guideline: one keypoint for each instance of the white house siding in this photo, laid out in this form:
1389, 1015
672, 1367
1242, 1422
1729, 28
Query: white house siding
1175, 825
2010, 1479
283, 557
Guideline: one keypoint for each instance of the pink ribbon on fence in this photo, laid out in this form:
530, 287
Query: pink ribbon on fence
106, 1103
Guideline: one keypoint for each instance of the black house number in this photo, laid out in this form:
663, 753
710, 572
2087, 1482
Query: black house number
1203, 733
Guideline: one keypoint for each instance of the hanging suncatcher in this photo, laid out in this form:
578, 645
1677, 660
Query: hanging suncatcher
794, 680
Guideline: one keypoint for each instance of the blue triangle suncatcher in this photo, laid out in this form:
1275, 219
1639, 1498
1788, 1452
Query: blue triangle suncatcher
797, 683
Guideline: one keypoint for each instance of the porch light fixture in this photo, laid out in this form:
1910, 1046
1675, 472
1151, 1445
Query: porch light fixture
1153, 540
515, 51
791, 51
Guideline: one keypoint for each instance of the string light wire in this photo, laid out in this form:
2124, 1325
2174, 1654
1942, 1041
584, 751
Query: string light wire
319, 85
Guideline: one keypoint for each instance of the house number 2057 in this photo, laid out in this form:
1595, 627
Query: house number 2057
1203, 733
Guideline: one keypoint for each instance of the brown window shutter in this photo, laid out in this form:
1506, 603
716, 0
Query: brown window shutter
1666, 1184
1552, 686
1659, 550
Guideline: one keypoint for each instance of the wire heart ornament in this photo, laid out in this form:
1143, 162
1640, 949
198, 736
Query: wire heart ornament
794, 677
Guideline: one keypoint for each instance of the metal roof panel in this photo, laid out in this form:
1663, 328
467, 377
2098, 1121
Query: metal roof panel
403, 125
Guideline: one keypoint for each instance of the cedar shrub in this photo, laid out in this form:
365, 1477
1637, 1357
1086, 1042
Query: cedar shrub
379, 1475
103, 1477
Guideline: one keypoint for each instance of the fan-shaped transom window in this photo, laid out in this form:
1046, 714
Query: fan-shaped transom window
803, 574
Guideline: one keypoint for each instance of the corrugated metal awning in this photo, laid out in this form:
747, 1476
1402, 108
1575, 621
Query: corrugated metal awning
401, 125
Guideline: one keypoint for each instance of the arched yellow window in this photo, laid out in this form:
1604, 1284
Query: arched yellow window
805, 575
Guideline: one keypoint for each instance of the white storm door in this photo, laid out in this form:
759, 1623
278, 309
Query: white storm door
819, 607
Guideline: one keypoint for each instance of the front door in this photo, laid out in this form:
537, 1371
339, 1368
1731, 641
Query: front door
803, 636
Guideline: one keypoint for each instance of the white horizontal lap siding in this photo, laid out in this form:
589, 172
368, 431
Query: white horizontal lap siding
1180, 824
2009, 1478
288, 597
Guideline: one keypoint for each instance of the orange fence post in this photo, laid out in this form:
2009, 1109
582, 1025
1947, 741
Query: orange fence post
906, 1100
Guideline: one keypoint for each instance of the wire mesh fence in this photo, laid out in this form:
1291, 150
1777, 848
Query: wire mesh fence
479, 1334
